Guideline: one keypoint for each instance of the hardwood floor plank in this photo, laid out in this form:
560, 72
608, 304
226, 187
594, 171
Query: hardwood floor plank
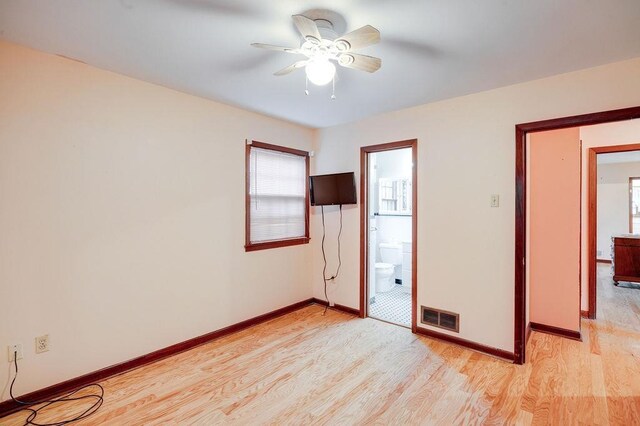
309, 368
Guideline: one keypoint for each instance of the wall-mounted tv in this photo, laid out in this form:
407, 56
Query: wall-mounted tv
333, 189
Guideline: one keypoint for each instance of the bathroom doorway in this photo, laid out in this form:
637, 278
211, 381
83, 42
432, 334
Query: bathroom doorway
388, 232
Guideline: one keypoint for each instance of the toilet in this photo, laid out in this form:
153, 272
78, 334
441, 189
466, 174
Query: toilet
391, 255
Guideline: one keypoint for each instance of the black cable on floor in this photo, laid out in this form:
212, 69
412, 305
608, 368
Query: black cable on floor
339, 234
324, 258
30, 420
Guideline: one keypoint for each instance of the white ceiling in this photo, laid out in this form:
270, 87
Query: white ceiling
619, 157
430, 50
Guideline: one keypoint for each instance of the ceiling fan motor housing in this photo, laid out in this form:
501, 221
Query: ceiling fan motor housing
326, 30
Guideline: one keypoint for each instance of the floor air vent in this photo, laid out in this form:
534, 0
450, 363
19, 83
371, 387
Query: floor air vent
442, 319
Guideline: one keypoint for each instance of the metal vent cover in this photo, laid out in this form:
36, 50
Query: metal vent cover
430, 316
440, 318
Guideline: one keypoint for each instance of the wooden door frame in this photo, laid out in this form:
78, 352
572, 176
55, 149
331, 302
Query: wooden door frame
364, 228
592, 202
521, 131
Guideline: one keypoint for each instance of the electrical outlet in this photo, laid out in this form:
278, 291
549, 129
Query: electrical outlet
42, 344
12, 349
495, 200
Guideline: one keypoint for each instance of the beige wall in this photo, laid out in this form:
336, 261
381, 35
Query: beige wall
122, 208
613, 215
613, 202
122, 217
619, 172
466, 151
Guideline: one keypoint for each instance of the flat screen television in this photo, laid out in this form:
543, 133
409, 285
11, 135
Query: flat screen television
333, 189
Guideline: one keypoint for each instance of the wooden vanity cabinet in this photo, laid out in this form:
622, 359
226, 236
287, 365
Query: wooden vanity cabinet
626, 258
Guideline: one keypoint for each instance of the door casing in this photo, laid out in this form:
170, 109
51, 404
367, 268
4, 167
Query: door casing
364, 222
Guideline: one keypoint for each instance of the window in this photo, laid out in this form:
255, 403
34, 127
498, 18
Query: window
394, 196
277, 203
634, 205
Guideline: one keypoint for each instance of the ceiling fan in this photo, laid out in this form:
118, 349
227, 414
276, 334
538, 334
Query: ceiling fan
321, 46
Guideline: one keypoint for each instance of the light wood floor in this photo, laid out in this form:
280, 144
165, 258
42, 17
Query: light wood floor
304, 368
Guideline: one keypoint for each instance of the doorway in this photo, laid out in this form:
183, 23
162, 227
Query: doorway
614, 197
388, 230
521, 132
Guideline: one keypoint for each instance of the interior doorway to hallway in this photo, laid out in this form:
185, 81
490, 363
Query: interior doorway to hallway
587, 272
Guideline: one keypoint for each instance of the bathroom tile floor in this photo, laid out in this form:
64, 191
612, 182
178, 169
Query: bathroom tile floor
393, 306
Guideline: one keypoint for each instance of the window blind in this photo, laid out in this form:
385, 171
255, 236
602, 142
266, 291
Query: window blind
277, 195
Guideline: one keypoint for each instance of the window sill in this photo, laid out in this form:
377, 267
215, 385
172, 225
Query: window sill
275, 244
393, 214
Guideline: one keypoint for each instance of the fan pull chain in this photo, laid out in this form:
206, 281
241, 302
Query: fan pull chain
306, 85
333, 92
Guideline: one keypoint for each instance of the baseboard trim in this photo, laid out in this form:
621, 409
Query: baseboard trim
603, 261
9, 407
500, 353
562, 332
337, 307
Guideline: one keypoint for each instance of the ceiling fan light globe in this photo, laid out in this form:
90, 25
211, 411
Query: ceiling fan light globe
320, 72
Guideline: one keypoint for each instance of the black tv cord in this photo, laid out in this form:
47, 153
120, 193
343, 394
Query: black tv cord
30, 420
324, 258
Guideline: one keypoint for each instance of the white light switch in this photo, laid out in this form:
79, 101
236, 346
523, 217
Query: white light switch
495, 200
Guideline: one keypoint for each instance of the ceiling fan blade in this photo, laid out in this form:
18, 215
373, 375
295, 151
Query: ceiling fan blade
360, 62
291, 68
362, 37
276, 48
307, 27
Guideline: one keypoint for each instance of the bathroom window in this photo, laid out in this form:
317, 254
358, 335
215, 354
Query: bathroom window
277, 203
634, 205
394, 197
